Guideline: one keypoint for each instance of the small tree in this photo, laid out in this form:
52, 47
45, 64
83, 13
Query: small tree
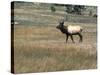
53, 8
69, 8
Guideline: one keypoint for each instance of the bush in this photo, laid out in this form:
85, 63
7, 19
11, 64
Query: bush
53, 9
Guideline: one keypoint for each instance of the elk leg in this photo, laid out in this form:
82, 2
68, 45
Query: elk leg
72, 38
67, 37
81, 38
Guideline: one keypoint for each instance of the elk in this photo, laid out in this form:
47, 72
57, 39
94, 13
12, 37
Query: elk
70, 30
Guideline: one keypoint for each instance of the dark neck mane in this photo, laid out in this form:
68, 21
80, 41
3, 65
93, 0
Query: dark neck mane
63, 29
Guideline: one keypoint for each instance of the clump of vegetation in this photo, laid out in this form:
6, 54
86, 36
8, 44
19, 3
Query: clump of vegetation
53, 9
77, 9
69, 8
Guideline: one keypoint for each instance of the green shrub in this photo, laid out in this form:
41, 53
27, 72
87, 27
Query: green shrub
53, 9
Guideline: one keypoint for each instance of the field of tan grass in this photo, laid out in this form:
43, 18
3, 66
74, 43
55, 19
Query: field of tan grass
43, 49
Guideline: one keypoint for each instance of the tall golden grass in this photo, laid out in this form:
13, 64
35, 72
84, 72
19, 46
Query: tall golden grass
43, 49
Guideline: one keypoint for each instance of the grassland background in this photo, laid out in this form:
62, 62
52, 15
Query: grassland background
40, 47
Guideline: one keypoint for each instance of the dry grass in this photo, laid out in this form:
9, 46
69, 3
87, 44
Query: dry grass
43, 49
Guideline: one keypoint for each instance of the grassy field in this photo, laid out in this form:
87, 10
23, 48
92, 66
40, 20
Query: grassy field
40, 47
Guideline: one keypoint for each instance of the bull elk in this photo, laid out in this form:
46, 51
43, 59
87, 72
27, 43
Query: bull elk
70, 30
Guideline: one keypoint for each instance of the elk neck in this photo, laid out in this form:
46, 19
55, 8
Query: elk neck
63, 29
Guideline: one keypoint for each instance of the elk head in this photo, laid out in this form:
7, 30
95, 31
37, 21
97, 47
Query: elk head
61, 24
